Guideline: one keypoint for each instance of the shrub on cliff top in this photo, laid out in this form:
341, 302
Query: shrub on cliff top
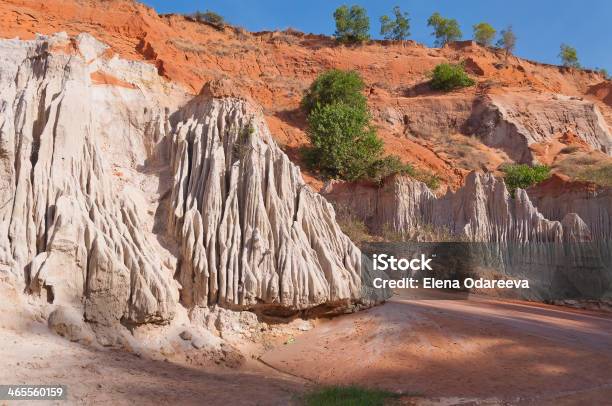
335, 86
569, 56
447, 77
397, 29
522, 176
209, 17
484, 33
445, 29
507, 41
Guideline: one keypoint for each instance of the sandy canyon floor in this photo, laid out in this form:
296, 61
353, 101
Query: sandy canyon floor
433, 352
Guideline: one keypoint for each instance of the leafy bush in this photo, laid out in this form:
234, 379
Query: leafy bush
569, 56
387, 166
431, 180
348, 396
445, 29
335, 86
397, 29
344, 144
484, 34
352, 24
448, 77
522, 176
209, 17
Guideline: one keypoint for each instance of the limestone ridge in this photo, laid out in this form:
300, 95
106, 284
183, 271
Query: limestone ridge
117, 200
482, 210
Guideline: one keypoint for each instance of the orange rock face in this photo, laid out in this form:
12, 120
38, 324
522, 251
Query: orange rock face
274, 69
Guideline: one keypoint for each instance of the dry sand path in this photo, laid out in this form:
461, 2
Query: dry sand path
462, 350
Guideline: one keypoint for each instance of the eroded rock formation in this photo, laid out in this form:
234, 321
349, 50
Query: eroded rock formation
482, 210
480, 231
67, 230
592, 203
113, 185
251, 232
513, 121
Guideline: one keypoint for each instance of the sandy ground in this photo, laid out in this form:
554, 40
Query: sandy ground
462, 350
441, 352
31, 354
118, 378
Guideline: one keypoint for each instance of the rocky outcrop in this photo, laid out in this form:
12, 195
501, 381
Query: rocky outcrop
514, 121
113, 188
480, 231
482, 210
251, 233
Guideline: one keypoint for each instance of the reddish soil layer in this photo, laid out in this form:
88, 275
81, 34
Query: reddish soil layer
274, 69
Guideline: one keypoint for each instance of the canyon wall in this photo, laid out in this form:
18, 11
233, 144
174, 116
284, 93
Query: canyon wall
482, 210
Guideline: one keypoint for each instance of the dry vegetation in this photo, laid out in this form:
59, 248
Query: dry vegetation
186, 45
585, 166
357, 230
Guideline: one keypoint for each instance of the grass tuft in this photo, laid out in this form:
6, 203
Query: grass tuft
348, 396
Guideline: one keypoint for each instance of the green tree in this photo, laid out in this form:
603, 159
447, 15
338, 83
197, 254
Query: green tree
447, 77
352, 24
523, 176
335, 86
507, 41
445, 29
484, 34
569, 56
397, 29
344, 142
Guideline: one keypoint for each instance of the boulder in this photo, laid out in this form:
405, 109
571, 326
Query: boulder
68, 323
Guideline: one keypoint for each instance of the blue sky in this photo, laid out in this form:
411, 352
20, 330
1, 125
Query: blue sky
540, 25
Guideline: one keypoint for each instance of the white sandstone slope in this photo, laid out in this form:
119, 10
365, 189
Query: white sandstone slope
121, 197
